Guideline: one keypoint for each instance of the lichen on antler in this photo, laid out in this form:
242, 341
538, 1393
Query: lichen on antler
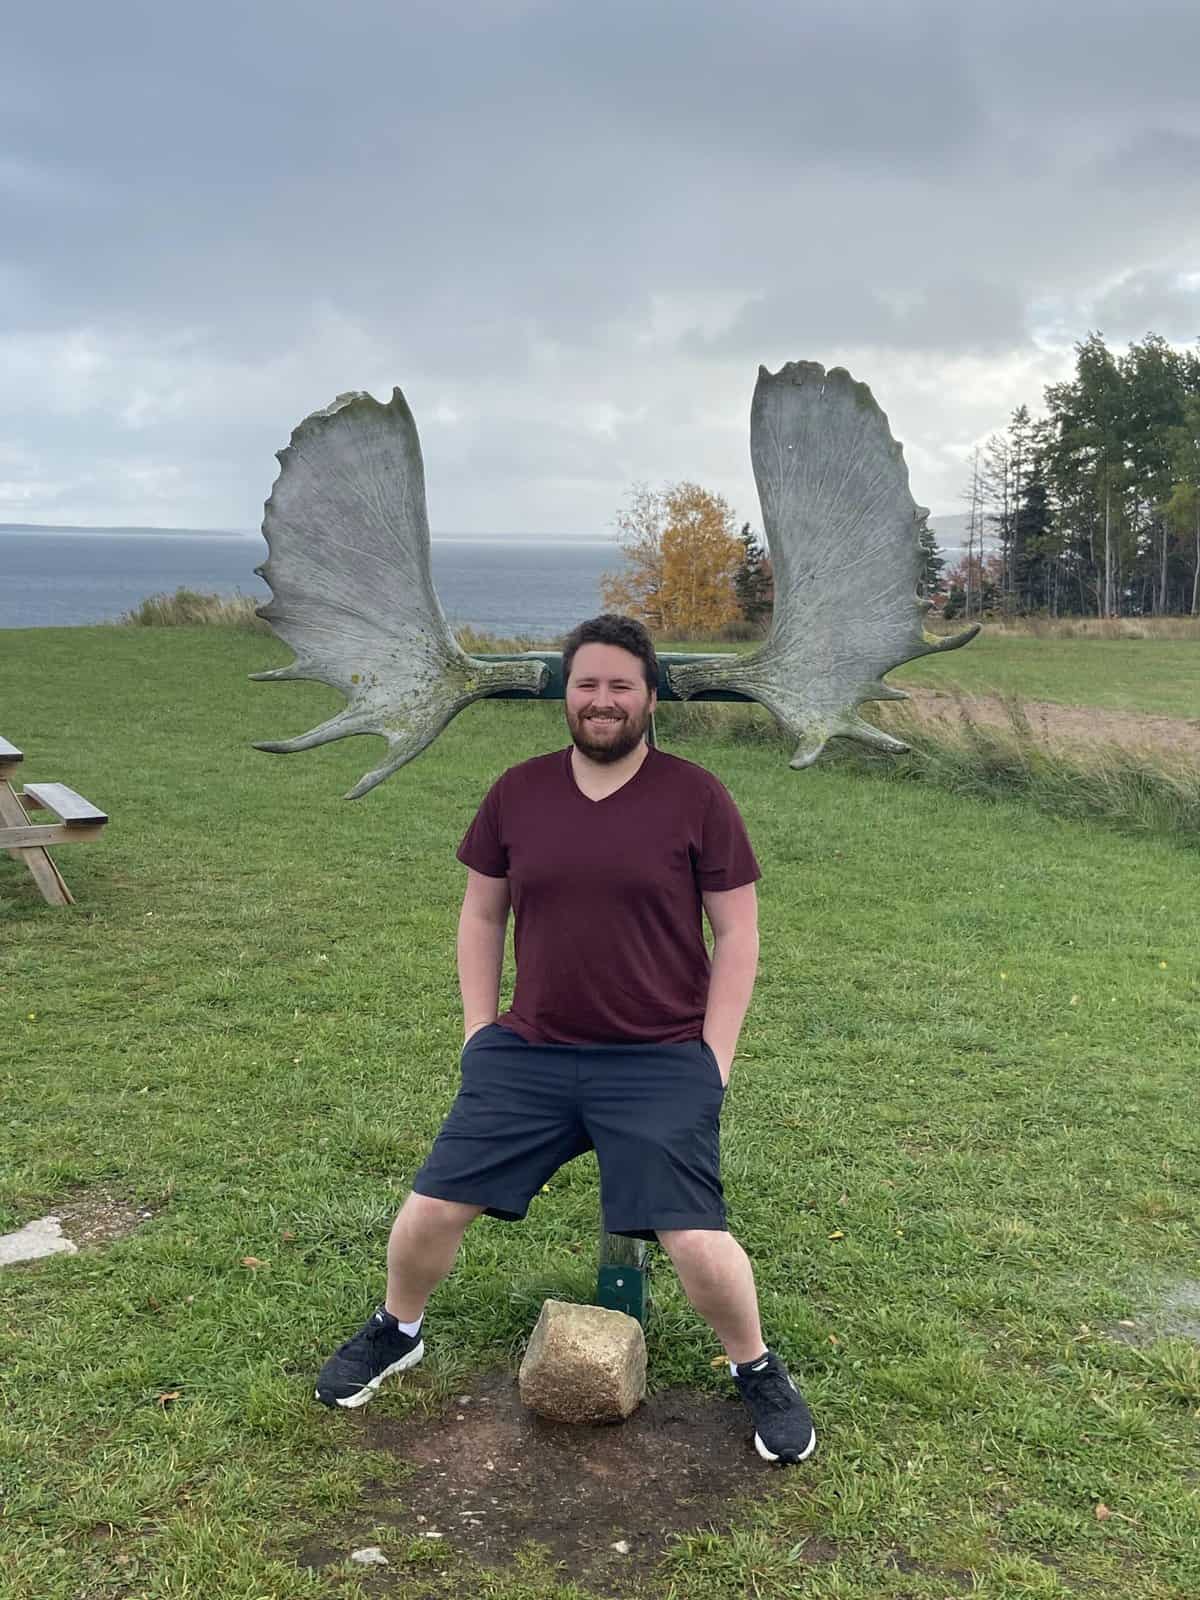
352, 591
843, 533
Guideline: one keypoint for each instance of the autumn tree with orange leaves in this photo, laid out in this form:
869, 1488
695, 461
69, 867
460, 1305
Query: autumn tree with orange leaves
682, 554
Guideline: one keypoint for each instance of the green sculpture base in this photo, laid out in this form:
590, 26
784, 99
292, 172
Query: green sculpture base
623, 1279
624, 1289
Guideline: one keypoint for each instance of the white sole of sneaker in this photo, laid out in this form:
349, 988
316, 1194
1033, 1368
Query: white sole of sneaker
769, 1455
372, 1388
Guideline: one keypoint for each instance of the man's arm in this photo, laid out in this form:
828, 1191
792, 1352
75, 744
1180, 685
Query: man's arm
481, 927
733, 917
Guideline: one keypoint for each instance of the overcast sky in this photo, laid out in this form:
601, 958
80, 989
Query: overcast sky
570, 232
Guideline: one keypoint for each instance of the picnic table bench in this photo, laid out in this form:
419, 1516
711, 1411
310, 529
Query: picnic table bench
77, 819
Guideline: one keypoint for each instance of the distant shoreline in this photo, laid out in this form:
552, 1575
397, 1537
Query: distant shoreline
533, 586
227, 533
78, 527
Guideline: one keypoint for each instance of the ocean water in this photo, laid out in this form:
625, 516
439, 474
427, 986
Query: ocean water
62, 578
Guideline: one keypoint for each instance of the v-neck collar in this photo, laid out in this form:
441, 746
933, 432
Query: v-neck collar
604, 798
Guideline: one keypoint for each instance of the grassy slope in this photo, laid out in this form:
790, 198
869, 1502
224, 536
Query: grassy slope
965, 1055
1161, 676
1155, 675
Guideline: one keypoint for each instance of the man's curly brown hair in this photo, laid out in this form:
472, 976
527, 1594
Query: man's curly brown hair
612, 629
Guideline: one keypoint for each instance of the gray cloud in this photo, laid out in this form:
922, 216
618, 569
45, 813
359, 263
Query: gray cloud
1151, 301
570, 233
949, 314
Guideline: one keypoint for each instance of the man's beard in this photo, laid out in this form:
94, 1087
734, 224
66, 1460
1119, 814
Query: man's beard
626, 735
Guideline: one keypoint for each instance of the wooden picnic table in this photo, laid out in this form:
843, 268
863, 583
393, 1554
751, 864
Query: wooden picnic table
77, 819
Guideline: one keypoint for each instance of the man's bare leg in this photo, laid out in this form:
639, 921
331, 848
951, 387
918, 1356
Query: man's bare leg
424, 1242
718, 1280
421, 1249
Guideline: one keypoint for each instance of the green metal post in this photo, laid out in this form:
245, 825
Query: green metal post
623, 1279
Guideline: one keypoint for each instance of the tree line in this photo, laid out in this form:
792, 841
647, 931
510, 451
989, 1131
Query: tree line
1093, 508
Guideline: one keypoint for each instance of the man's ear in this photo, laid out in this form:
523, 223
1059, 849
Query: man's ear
653, 701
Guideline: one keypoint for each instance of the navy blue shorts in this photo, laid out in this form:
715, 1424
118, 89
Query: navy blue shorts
651, 1113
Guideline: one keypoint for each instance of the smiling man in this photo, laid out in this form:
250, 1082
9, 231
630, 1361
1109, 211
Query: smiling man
621, 1033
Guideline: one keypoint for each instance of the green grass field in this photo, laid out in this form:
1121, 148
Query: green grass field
1161, 676
1156, 675
960, 1145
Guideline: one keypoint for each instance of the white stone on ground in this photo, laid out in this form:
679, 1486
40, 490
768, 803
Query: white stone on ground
369, 1556
42, 1237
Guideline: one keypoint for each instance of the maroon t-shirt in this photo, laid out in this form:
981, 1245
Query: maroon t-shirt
606, 895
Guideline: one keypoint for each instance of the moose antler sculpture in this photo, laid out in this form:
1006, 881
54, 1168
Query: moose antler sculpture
353, 595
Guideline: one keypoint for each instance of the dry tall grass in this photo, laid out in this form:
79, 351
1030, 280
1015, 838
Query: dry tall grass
187, 608
1098, 627
1135, 790
1035, 627
478, 643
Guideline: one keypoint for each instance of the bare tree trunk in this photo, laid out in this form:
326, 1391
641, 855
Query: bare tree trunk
1004, 467
980, 521
973, 504
1106, 609
1094, 568
1017, 548
1162, 572
1196, 574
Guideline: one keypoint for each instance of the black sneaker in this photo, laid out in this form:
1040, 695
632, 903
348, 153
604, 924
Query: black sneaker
783, 1423
355, 1370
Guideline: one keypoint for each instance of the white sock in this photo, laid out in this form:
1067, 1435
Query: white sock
410, 1329
733, 1366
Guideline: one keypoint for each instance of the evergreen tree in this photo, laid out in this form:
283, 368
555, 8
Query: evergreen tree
930, 585
1021, 463
1154, 409
1035, 553
1087, 466
753, 582
1182, 509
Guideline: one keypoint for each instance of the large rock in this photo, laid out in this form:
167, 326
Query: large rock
584, 1364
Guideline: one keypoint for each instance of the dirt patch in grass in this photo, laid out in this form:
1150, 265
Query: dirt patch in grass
98, 1216
491, 1476
1053, 724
